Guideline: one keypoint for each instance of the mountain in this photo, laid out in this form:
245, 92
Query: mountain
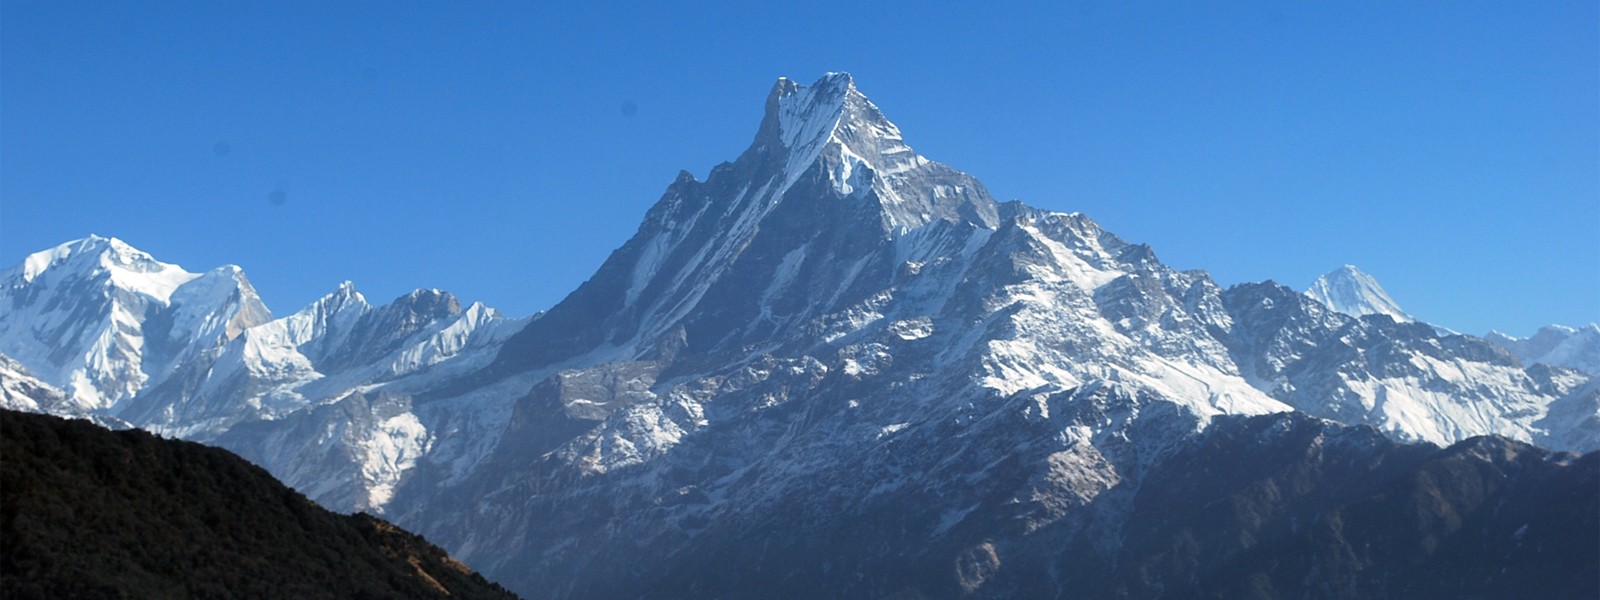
1556, 346
96, 513
326, 350
1350, 291
834, 367
102, 320
98, 329
832, 333
20, 390
1410, 380
124, 335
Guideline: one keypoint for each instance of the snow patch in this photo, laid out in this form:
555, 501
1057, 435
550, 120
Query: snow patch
388, 452
912, 329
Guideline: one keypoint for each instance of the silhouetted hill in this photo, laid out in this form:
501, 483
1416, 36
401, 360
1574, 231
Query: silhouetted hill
93, 513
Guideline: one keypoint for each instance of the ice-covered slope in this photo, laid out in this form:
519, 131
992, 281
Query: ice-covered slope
1350, 291
102, 320
20, 390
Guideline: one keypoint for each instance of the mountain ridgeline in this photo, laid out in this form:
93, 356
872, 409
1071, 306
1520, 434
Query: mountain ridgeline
837, 368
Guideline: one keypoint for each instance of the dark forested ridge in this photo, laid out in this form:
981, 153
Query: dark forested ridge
92, 513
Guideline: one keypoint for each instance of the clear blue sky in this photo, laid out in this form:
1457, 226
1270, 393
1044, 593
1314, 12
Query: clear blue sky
500, 151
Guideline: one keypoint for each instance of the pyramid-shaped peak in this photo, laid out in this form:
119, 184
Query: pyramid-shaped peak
804, 117
830, 121
1348, 275
1351, 291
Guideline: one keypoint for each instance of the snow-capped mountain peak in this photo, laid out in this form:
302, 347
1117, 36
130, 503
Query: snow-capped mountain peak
124, 336
321, 324
127, 268
1557, 346
1350, 291
101, 319
808, 115
833, 127
808, 121
832, 114
776, 235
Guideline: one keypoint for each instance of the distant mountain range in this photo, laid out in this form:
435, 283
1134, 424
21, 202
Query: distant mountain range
1557, 346
835, 367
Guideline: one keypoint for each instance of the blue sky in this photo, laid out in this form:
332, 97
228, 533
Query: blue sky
502, 150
